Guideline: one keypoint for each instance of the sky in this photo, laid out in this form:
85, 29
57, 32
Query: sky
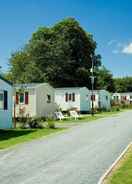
108, 20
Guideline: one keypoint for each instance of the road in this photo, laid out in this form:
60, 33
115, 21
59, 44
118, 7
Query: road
78, 156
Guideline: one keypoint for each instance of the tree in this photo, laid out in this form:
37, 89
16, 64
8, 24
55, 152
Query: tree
60, 55
105, 80
123, 84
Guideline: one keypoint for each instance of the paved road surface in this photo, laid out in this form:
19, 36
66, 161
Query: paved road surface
79, 156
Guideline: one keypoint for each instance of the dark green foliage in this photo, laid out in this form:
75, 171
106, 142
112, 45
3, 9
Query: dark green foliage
60, 55
105, 80
32, 123
51, 124
123, 84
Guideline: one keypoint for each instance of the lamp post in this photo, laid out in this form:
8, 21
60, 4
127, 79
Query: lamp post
92, 85
14, 111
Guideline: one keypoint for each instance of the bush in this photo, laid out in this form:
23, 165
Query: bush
33, 123
115, 108
51, 124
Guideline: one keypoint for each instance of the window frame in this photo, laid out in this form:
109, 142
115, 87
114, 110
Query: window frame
73, 97
21, 103
49, 99
18, 94
2, 93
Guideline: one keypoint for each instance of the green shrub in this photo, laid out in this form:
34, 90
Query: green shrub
51, 124
33, 123
115, 108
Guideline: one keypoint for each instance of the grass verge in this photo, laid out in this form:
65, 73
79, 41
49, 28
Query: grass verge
89, 118
122, 173
12, 137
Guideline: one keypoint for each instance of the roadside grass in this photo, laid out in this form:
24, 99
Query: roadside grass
88, 118
122, 173
12, 137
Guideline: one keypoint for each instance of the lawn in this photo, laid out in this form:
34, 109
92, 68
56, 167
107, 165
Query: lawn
12, 137
15, 136
89, 118
122, 173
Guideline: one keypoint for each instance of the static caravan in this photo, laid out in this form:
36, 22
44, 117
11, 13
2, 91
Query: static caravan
73, 98
34, 100
6, 93
101, 99
116, 97
122, 97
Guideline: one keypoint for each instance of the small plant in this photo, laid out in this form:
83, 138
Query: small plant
33, 123
51, 124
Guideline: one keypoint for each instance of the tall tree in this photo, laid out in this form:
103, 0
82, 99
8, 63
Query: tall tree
123, 84
61, 55
105, 80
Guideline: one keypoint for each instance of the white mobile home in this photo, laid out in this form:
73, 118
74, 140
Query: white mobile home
34, 100
101, 99
6, 93
122, 97
73, 98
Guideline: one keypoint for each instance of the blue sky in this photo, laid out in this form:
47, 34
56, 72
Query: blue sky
109, 22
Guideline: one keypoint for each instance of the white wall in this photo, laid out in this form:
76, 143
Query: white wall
120, 95
96, 102
116, 95
102, 99
6, 115
42, 107
38, 105
60, 98
29, 108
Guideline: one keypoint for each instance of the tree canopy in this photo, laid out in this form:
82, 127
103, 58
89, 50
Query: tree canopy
105, 79
61, 55
123, 84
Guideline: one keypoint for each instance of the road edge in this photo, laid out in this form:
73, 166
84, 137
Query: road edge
26, 142
108, 171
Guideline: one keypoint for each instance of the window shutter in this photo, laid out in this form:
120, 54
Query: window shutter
66, 97
73, 97
26, 98
70, 96
93, 97
17, 98
5, 100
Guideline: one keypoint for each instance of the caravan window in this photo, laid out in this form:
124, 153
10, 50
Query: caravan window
21, 98
93, 98
48, 98
70, 97
1, 100
66, 97
4, 100
73, 97
116, 97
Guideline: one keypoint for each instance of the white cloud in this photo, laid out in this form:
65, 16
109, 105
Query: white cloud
127, 49
119, 47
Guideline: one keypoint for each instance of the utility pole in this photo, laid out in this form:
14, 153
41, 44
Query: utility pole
15, 112
92, 86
